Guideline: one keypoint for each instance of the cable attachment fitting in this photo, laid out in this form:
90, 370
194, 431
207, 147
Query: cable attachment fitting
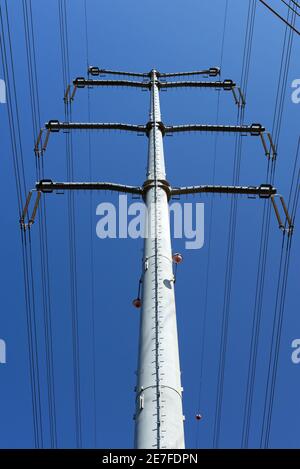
214, 71
256, 130
94, 71
228, 85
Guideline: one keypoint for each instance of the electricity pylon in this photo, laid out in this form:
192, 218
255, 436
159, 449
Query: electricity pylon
158, 417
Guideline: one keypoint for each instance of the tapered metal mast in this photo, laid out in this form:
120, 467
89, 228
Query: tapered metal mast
158, 416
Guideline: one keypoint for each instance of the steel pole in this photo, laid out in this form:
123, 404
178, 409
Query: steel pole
158, 418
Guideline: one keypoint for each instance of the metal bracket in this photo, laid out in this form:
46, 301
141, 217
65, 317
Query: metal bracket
141, 402
163, 184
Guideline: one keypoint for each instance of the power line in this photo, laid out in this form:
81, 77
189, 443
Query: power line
19, 173
280, 17
285, 255
71, 227
289, 6
232, 229
279, 311
264, 239
91, 245
43, 243
207, 279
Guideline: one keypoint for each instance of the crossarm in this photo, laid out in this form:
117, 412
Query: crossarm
212, 72
95, 71
56, 126
81, 82
263, 191
47, 185
225, 85
254, 129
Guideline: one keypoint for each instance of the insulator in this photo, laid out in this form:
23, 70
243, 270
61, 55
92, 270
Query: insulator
177, 258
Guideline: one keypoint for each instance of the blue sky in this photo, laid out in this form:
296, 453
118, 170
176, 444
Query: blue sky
136, 36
